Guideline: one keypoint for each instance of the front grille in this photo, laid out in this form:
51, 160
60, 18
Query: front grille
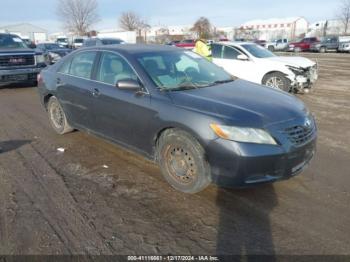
17, 60
300, 135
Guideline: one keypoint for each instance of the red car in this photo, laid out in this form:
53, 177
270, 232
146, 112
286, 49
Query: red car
303, 45
188, 44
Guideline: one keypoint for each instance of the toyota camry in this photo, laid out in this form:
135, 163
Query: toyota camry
199, 123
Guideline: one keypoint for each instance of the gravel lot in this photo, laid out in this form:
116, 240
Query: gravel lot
70, 203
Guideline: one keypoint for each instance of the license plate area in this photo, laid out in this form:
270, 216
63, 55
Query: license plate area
13, 78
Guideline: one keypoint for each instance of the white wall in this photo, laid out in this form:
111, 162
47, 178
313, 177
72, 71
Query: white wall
128, 36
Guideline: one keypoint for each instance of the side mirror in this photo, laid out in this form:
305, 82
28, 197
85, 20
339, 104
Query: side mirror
129, 84
243, 57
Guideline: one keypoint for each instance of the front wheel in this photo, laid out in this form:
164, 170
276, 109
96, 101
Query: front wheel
277, 80
57, 117
182, 161
323, 50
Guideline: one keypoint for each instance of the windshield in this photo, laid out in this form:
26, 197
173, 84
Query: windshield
112, 41
181, 70
62, 40
11, 42
258, 51
52, 46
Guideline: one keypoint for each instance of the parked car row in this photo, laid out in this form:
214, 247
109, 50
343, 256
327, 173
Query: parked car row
326, 44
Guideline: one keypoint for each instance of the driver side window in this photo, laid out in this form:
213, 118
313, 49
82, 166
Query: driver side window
230, 53
114, 68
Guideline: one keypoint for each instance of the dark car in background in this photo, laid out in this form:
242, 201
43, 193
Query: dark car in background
173, 106
173, 43
18, 63
302, 45
329, 43
96, 41
52, 52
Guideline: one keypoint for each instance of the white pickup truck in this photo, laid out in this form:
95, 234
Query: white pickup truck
277, 45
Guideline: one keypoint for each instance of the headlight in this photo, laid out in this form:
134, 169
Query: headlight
291, 46
54, 55
243, 134
39, 59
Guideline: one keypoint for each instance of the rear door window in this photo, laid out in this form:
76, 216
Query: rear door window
82, 64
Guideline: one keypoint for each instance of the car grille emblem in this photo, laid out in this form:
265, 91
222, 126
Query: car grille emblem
307, 123
17, 60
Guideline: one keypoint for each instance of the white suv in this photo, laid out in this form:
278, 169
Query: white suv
256, 64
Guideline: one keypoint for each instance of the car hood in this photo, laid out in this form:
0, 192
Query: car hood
60, 50
296, 61
16, 50
241, 103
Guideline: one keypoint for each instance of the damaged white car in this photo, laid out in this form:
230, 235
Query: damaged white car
254, 63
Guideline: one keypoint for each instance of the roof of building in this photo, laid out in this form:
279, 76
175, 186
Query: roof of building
24, 27
286, 20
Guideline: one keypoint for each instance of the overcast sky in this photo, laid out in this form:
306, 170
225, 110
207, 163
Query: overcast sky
171, 12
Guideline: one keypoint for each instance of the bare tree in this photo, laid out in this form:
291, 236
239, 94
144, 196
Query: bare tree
131, 21
344, 14
202, 27
78, 15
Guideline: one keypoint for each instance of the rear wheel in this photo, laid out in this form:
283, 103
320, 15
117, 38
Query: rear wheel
323, 50
277, 80
182, 161
271, 48
57, 117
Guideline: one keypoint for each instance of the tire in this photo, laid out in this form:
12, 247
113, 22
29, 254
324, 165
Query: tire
57, 117
182, 161
271, 48
323, 50
277, 80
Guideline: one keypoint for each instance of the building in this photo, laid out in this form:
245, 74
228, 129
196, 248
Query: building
26, 30
129, 37
160, 34
269, 29
327, 27
228, 32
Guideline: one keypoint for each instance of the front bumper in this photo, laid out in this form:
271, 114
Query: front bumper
17, 75
304, 80
242, 165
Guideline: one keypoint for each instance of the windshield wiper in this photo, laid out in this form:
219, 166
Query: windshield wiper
221, 82
183, 86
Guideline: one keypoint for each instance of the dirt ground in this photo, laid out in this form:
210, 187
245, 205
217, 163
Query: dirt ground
70, 203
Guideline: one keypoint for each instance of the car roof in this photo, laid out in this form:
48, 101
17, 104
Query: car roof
235, 43
135, 48
8, 34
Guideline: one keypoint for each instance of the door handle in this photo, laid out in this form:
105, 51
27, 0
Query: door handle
95, 92
59, 82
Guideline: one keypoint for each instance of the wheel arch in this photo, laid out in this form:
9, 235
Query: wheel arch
46, 99
184, 128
